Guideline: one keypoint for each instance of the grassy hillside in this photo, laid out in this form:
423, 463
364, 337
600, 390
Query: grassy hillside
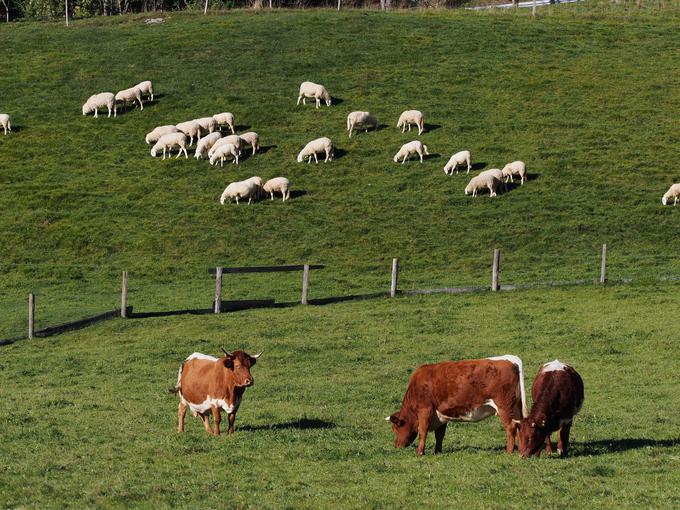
87, 420
589, 102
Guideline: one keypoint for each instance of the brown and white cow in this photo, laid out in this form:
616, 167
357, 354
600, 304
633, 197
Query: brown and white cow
468, 390
208, 385
558, 396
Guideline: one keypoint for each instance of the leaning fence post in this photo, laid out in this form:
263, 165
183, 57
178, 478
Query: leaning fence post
218, 290
31, 315
123, 296
603, 268
494, 272
395, 275
305, 283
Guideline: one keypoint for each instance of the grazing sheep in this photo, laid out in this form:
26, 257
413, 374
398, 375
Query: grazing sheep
154, 135
130, 96
241, 189
673, 192
205, 144
253, 139
313, 90
363, 118
459, 158
208, 124
225, 119
5, 122
481, 181
168, 142
416, 146
280, 184
146, 87
224, 150
191, 128
104, 99
258, 182
515, 168
411, 117
234, 140
322, 144
497, 174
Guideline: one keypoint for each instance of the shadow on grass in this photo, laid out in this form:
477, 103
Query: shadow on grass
478, 166
431, 127
16, 128
334, 101
338, 153
303, 424
432, 155
606, 446
239, 128
264, 149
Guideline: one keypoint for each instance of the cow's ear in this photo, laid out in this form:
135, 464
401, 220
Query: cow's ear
394, 418
229, 362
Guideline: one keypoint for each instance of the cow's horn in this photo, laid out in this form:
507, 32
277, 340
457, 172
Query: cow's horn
257, 355
228, 354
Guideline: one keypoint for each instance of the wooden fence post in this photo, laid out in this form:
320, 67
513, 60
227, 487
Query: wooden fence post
305, 283
603, 268
31, 315
123, 296
395, 275
218, 290
494, 272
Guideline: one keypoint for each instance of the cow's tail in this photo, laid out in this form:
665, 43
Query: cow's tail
177, 387
522, 392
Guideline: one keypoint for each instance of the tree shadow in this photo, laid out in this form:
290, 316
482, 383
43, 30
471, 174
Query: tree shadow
431, 127
302, 424
607, 446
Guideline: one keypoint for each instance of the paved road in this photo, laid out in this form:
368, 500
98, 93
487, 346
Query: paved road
528, 3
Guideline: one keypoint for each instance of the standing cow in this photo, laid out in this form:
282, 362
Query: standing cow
558, 396
208, 385
468, 390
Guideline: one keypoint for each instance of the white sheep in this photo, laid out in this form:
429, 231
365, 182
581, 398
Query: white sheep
104, 99
515, 168
411, 117
225, 119
310, 150
280, 184
481, 181
459, 158
224, 150
5, 122
673, 192
130, 96
234, 140
159, 131
146, 87
167, 142
360, 118
313, 90
416, 146
241, 189
253, 139
205, 144
208, 124
191, 128
497, 174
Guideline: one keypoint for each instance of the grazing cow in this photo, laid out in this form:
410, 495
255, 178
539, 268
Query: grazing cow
468, 390
558, 396
208, 385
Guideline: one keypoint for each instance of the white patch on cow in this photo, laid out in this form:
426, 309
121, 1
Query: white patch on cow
553, 366
198, 355
507, 357
515, 360
488, 408
210, 402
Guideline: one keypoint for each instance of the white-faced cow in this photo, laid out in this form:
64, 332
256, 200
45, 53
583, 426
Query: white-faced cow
558, 396
208, 385
468, 390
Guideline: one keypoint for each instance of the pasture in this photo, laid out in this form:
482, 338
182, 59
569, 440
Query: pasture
587, 95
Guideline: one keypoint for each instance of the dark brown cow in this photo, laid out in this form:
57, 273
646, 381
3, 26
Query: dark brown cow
207, 385
558, 396
460, 391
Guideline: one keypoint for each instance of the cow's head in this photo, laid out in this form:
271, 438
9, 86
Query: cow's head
405, 431
239, 364
532, 434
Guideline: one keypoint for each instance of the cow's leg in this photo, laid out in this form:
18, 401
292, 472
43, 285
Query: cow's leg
206, 422
216, 420
439, 438
181, 412
232, 418
563, 442
510, 427
424, 418
548, 445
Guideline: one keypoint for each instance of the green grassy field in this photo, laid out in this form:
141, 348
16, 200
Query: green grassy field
586, 94
87, 420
